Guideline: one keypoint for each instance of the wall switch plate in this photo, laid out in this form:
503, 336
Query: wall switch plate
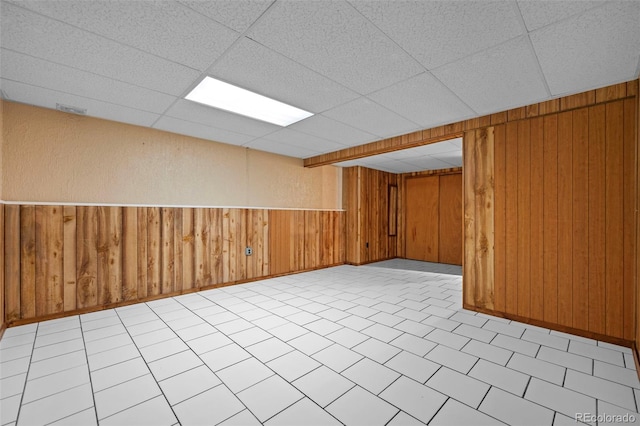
248, 251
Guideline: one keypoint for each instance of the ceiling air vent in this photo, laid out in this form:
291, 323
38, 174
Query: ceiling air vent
71, 109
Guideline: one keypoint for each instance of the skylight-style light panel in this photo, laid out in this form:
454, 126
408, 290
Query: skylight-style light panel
228, 97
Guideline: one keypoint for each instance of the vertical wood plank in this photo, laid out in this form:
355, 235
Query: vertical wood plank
581, 218
524, 218
129, 253
450, 219
468, 175
69, 258
217, 273
629, 311
87, 256
28, 261
537, 217
511, 218
365, 202
102, 242
614, 218
260, 236
565, 219
178, 256
251, 241
240, 242
597, 230
280, 237
499, 159
636, 319
265, 259
342, 237
226, 246
326, 238
422, 217
143, 245
167, 270
109, 280
3, 318
484, 218
550, 218
49, 262
351, 203
188, 251
154, 251
201, 224
300, 237
311, 239
12, 260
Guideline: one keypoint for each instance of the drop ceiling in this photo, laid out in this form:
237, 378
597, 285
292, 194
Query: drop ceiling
368, 70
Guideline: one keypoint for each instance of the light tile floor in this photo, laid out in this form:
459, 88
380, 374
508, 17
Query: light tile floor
384, 344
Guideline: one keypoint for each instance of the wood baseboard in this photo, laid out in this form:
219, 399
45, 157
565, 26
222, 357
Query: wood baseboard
18, 322
372, 261
556, 327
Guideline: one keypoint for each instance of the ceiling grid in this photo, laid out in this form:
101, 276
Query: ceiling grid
367, 69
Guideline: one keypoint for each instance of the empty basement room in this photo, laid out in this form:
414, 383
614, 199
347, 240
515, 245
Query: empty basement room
279, 212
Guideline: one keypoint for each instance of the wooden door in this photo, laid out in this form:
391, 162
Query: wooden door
450, 242
422, 218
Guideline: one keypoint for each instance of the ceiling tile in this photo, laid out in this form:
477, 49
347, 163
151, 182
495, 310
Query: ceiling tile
36, 72
454, 159
35, 35
428, 163
235, 14
46, 98
439, 32
212, 117
197, 130
321, 126
303, 140
457, 142
263, 144
166, 29
423, 100
602, 44
333, 39
503, 77
262, 70
393, 166
370, 117
553, 11
430, 149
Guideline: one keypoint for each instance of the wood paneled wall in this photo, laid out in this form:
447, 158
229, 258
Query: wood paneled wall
432, 216
67, 259
450, 224
550, 219
366, 200
303, 239
3, 322
637, 298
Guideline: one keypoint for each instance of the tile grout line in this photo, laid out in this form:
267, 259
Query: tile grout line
150, 372
26, 377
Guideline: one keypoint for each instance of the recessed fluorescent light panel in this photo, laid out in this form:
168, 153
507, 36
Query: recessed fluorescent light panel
228, 97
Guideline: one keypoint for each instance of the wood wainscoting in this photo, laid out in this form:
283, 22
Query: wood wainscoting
63, 260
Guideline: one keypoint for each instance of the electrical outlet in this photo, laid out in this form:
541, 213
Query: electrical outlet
248, 251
